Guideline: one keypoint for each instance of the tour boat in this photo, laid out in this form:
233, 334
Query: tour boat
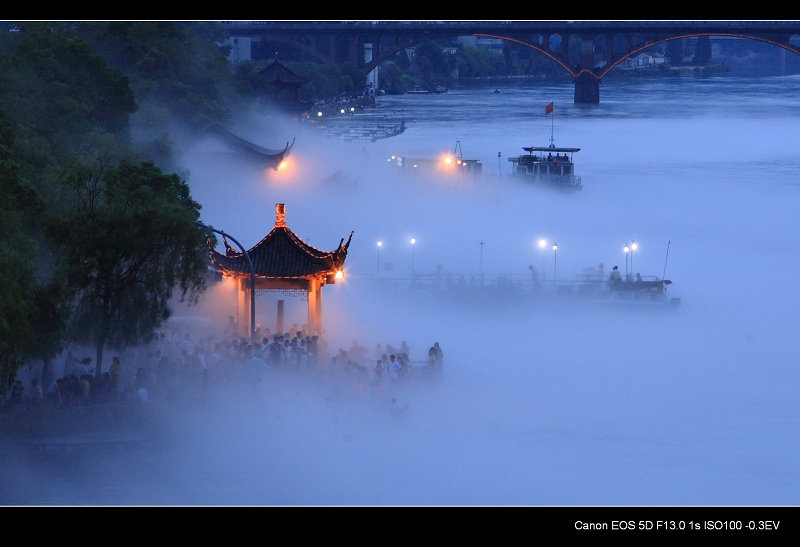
549, 165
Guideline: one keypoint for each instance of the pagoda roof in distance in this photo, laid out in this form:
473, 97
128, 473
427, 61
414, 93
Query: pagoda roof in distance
277, 73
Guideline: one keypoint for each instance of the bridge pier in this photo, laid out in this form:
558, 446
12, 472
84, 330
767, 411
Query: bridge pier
587, 89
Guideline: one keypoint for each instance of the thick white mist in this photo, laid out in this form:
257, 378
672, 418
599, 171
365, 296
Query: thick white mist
538, 404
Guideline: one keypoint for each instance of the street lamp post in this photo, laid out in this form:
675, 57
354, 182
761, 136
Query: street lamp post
252, 277
634, 246
555, 263
380, 243
626, 249
412, 258
480, 264
499, 165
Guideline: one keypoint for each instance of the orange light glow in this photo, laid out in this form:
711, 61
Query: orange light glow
339, 274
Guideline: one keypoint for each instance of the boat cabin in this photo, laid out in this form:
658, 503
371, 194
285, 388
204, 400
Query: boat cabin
548, 164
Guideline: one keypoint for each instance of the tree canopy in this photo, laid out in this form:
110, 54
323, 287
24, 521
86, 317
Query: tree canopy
178, 67
702, 50
128, 237
60, 99
16, 270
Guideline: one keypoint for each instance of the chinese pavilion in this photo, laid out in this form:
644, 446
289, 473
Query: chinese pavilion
283, 262
286, 87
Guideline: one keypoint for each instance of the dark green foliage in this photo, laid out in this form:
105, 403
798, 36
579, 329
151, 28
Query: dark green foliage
177, 66
393, 80
481, 62
128, 239
433, 66
20, 302
60, 98
674, 52
702, 51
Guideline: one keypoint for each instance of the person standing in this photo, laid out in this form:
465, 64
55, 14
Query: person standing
433, 358
394, 369
439, 353
615, 277
116, 377
377, 378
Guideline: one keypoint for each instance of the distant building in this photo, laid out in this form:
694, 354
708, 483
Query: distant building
494, 44
241, 48
642, 60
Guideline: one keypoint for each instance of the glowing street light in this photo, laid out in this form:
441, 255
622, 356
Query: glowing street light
555, 263
634, 246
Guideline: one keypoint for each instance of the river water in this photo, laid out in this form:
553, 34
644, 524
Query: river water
537, 405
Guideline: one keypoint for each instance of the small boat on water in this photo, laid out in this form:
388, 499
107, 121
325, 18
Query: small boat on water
547, 164
420, 90
446, 165
368, 130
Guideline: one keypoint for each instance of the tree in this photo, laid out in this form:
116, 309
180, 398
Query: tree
431, 64
60, 99
674, 52
128, 239
702, 51
178, 71
29, 315
479, 62
393, 80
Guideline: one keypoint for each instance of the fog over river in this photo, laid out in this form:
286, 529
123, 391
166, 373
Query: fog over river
539, 402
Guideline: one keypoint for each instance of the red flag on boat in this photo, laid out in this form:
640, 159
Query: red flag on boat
548, 109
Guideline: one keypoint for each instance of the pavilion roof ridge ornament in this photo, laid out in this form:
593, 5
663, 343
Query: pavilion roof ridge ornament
280, 215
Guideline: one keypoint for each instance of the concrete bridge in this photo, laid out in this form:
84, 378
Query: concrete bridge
587, 50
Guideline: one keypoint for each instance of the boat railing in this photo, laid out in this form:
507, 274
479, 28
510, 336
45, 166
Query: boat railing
520, 283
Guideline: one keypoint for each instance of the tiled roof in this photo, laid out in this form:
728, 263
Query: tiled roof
270, 156
282, 254
277, 73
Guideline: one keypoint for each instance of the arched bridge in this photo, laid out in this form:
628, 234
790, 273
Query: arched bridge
587, 50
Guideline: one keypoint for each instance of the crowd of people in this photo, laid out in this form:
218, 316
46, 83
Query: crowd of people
365, 99
188, 361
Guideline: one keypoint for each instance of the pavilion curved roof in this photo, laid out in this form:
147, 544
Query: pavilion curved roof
277, 73
282, 254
